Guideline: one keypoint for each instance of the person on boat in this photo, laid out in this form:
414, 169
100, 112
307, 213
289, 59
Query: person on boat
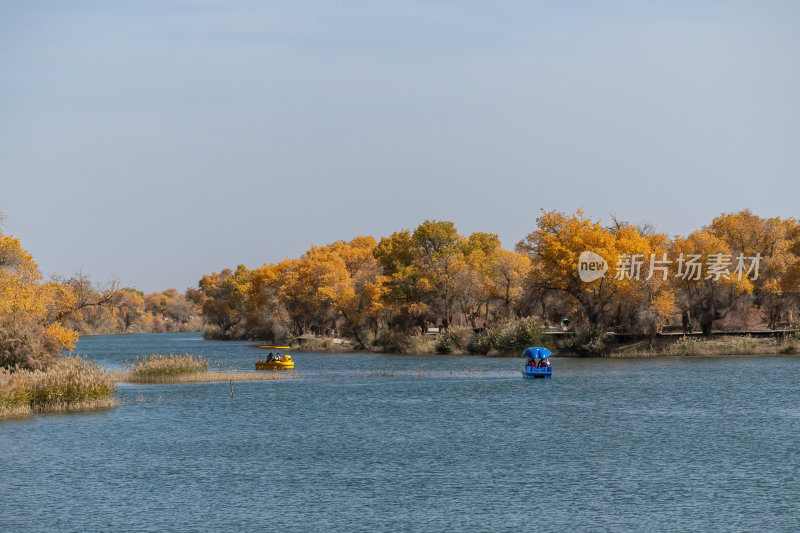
278, 357
269, 357
545, 363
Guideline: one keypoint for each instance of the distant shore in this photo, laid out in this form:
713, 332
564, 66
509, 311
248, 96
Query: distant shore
719, 344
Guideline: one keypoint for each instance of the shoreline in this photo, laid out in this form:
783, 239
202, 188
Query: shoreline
719, 344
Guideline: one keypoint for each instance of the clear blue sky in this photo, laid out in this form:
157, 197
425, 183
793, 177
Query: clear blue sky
155, 142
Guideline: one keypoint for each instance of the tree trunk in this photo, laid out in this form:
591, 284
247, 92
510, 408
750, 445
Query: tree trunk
705, 325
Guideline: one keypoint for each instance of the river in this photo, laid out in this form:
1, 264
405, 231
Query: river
367, 442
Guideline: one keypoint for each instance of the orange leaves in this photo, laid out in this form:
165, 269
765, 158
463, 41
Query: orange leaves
434, 274
64, 337
27, 306
559, 241
340, 279
17, 262
664, 304
700, 258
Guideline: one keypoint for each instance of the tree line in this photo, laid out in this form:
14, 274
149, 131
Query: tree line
129, 310
739, 264
739, 271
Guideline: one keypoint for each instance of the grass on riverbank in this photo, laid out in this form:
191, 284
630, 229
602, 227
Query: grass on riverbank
173, 368
72, 384
723, 346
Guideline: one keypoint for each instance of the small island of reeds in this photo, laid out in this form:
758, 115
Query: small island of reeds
186, 368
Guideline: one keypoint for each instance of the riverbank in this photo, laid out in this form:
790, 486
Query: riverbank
716, 346
578, 345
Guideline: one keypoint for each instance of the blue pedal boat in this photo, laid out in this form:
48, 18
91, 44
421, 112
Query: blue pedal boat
544, 370
531, 372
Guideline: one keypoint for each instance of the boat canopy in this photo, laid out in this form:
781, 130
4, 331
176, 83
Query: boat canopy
536, 352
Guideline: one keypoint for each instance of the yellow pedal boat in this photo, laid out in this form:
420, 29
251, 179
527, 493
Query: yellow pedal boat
286, 364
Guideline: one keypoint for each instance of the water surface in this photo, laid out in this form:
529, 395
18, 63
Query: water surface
365, 442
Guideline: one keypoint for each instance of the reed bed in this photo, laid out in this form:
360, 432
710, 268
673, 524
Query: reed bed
173, 368
72, 384
722, 347
160, 368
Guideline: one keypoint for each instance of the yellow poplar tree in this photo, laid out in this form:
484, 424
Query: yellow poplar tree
405, 293
28, 338
771, 239
555, 247
706, 298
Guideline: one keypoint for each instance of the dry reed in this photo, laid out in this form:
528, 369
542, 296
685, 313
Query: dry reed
72, 384
159, 368
172, 368
717, 347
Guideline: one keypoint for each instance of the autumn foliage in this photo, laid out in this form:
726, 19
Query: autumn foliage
40, 320
30, 335
434, 276
408, 281
701, 277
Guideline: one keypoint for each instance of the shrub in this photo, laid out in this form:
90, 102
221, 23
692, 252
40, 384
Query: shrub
30, 347
453, 341
421, 344
514, 336
392, 341
395, 341
588, 342
480, 343
510, 336
212, 332
789, 344
311, 345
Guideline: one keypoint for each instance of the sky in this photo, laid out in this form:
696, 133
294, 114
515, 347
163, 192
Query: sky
153, 142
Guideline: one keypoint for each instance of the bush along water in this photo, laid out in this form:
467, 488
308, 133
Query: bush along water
588, 342
453, 341
508, 337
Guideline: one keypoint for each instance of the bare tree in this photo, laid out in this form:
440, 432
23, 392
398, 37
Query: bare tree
78, 292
